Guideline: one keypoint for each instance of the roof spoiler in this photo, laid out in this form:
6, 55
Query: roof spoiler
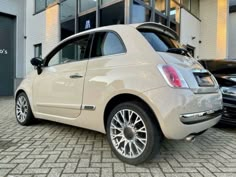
158, 27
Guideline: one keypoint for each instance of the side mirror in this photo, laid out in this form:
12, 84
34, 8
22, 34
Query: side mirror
37, 62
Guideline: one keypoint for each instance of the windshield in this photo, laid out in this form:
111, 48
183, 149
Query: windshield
160, 42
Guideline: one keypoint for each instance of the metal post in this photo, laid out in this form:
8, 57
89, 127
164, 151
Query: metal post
128, 11
152, 10
168, 12
76, 16
98, 13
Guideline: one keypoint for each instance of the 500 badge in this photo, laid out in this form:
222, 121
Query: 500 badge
3, 51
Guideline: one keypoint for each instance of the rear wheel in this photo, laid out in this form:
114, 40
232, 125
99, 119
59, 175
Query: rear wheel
132, 133
24, 115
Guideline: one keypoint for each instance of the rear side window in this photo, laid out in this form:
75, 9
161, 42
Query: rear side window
160, 42
107, 43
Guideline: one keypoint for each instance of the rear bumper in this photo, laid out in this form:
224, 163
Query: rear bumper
180, 112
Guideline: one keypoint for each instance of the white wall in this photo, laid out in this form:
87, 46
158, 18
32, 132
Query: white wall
17, 8
214, 24
41, 28
232, 35
190, 34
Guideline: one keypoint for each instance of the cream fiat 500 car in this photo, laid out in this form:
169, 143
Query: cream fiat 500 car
132, 82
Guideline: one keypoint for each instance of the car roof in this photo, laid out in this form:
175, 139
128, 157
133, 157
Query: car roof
142, 26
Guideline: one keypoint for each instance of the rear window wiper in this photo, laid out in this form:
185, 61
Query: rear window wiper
180, 51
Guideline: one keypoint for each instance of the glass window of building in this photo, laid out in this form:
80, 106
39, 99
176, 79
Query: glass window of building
67, 17
146, 2
40, 5
49, 2
174, 11
113, 14
38, 50
107, 44
160, 19
87, 4
160, 5
140, 13
195, 7
186, 4
87, 21
106, 1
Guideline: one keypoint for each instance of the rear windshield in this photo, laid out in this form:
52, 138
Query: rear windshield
160, 42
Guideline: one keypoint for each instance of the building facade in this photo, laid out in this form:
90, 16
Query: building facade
206, 27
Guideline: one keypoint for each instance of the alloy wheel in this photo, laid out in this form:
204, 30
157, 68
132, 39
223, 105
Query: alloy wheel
128, 133
21, 109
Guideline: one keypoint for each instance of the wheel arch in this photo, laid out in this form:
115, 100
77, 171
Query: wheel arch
125, 97
18, 92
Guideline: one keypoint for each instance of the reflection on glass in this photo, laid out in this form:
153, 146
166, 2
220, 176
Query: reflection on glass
38, 50
175, 26
67, 17
195, 7
146, 2
87, 4
106, 1
50, 2
186, 4
160, 19
39, 5
87, 21
174, 12
160, 5
140, 13
108, 17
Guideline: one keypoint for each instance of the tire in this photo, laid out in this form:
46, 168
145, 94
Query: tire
24, 115
132, 134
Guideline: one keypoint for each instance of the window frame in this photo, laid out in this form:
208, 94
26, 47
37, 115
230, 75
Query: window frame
106, 31
64, 44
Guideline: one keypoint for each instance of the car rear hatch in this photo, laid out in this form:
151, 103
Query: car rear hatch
164, 41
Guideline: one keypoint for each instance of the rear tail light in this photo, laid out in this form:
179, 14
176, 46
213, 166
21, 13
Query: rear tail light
172, 76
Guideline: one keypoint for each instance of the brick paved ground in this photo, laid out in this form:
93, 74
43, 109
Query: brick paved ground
52, 149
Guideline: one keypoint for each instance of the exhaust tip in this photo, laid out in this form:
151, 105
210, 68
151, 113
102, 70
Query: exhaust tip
190, 138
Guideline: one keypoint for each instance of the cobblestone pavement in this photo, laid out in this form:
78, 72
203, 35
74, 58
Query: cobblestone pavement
52, 149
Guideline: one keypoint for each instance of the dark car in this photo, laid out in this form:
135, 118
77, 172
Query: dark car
225, 73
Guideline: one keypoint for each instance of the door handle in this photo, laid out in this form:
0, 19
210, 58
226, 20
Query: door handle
75, 76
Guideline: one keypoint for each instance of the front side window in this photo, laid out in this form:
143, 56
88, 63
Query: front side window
107, 43
159, 41
74, 51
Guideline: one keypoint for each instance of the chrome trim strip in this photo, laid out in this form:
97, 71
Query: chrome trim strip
200, 116
200, 71
88, 107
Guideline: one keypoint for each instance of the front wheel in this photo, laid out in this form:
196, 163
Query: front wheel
24, 115
132, 133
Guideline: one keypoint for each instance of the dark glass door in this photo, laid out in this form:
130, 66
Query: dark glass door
7, 55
